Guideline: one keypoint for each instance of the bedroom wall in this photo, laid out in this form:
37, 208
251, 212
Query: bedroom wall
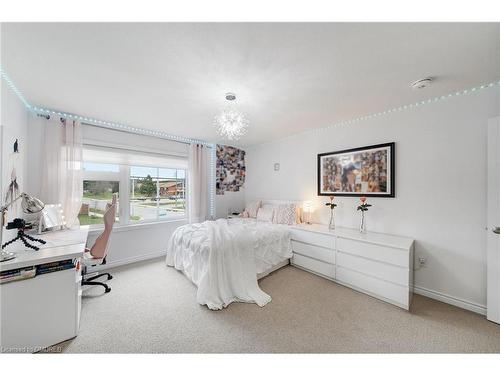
231, 200
440, 186
14, 124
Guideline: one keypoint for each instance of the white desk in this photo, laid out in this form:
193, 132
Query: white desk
44, 310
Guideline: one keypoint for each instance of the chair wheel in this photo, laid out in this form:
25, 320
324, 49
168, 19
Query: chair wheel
110, 277
107, 290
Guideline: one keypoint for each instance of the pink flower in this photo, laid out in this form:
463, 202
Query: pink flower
362, 199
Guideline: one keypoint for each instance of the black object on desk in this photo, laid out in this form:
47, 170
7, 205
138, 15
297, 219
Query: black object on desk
20, 225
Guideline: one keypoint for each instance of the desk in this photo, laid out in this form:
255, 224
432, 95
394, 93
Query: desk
44, 310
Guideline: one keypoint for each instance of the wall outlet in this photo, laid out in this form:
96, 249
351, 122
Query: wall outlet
421, 261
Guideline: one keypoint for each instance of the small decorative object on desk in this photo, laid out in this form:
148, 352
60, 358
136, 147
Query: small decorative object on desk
331, 224
363, 207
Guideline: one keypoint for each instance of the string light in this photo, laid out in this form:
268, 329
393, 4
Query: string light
212, 182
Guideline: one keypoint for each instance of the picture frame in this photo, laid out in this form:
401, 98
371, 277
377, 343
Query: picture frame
363, 171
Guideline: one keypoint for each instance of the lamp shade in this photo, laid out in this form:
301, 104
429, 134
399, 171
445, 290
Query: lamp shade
307, 206
31, 205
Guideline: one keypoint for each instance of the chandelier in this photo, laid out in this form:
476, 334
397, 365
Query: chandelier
231, 123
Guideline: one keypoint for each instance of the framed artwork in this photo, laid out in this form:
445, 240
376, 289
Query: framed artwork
368, 171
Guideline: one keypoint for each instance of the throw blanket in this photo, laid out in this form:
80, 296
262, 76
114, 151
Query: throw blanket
219, 258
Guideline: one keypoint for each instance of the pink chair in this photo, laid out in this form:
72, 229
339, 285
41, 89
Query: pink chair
96, 255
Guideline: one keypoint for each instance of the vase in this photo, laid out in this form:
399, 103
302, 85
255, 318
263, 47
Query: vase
362, 224
331, 224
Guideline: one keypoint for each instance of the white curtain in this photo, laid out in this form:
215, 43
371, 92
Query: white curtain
62, 167
198, 183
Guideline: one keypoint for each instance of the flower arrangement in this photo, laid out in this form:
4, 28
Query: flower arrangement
332, 206
363, 207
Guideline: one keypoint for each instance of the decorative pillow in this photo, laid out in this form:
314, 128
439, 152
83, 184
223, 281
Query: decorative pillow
286, 214
252, 208
265, 214
245, 215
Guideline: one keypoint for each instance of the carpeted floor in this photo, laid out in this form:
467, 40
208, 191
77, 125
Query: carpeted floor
152, 309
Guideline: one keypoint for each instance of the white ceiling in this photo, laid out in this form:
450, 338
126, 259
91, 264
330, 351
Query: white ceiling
288, 77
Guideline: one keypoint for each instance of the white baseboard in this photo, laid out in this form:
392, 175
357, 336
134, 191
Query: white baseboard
122, 262
467, 305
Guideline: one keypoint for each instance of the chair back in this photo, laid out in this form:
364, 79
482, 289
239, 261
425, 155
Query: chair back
101, 245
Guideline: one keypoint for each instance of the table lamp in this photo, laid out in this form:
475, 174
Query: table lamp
29, 205
308, 208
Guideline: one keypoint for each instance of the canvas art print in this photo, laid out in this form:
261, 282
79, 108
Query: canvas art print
360, 171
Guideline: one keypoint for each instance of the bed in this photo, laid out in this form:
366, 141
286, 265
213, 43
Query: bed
225, 258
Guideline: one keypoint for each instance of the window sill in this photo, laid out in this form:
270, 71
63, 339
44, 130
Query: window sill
129, 227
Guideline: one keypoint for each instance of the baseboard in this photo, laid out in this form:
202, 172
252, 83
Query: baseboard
130, 260
467, 305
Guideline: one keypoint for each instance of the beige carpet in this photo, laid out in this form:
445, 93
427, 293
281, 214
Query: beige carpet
152, 309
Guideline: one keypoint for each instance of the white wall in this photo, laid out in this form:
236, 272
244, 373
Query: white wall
138, 242
231, 200
14, 125
440, 185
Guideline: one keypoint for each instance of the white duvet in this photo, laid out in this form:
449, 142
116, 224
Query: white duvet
222, 258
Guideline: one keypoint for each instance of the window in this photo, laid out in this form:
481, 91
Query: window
100, 182
157, 193
145, 193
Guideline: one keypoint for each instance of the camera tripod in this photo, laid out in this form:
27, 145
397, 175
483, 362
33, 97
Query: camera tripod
23, 237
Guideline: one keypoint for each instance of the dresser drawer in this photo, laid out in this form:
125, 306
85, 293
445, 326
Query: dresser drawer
312, 251
312, 238
395, 274
378, 288
314, 265
390, 255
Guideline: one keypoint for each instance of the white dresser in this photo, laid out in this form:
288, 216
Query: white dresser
377, 264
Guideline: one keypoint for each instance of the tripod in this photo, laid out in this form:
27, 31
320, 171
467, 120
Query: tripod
23, 236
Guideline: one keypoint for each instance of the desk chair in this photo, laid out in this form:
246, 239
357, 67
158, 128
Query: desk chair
96, 255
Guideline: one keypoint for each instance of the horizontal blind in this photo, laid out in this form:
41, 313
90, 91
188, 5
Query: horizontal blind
117, 155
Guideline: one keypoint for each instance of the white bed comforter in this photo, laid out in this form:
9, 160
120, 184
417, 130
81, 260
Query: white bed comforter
222, 258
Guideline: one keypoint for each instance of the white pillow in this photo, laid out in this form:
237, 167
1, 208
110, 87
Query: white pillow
286, 214
265, 214
252, 208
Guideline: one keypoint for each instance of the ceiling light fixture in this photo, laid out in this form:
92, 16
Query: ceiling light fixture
230, 122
